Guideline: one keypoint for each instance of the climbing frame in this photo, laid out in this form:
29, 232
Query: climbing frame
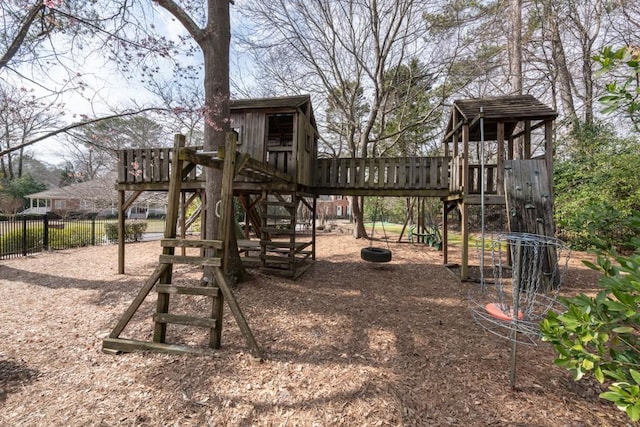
161, 278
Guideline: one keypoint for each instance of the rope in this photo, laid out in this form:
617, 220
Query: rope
373, 227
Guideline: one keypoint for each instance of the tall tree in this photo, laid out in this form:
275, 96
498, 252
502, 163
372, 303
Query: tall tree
515, 46
210, 28
341, 48
23, 115
92, 150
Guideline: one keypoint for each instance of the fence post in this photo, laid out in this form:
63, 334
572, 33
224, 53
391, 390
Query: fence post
93, 231
24, 235
45, 228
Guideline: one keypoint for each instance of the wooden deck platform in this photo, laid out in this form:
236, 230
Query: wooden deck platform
150, 169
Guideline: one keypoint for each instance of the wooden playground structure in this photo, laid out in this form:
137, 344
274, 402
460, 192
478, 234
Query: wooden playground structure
270, 165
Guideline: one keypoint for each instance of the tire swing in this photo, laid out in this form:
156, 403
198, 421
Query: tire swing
375, 254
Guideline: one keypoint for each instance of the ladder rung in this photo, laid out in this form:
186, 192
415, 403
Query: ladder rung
193, 260
190, 243
276, 216
115, 345
179, 319
187, 290
277, 259
275, 230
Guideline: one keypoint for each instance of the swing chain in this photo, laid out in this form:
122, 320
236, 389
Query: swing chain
373, 227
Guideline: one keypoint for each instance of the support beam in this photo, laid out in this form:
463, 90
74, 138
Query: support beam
170, 229
121, 254
464, 266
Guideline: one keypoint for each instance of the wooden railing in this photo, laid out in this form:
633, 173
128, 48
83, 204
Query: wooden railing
432, 176
388, 173
148, 165
456, 185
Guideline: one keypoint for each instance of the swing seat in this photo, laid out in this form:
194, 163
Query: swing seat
375, 254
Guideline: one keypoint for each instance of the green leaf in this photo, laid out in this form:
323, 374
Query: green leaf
635, 375
633, 412
623, 330
611, 396
597, 373
587, 364
614, 305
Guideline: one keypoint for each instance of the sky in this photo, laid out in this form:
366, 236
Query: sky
108, 87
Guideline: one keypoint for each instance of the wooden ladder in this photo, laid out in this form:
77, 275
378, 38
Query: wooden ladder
211, 254
161, 279
288, 256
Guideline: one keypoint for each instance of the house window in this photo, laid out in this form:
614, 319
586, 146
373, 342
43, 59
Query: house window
339, 210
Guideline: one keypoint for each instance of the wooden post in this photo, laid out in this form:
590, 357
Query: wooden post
445, 232
183, 220
454, 137
464, 267
121, 231
171, 225
548, 155
313, 230
226, 196
465, 160
500, 172
527, 140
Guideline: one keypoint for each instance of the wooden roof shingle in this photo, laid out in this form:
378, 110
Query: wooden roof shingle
506, 109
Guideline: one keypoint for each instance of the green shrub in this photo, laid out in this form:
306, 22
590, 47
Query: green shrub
70, 236
597, 225
133, 231
11, 242
599, 336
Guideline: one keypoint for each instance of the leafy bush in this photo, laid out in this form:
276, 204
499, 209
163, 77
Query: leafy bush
596, 188
133, 231
11, 242
71, 236
597, 225
600, 336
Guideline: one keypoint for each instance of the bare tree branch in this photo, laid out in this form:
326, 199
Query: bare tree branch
74, 126
21, 35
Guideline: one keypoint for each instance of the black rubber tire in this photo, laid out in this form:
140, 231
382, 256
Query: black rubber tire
375, 254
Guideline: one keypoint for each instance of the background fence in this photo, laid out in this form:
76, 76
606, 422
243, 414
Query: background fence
22, 236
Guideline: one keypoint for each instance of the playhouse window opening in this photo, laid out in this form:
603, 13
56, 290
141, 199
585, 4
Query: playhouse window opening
280, 130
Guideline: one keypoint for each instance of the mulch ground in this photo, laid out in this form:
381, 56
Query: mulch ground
349, 343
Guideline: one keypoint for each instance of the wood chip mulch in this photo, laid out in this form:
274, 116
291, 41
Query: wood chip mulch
349, 343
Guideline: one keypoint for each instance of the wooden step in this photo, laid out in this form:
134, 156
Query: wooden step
277, 216
191, 243
274, 230
298, 246
179, 319
192, 260
121, 345
209, 291
274, 259
250, 261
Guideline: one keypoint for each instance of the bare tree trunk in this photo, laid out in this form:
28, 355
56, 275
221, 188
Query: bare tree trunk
515, 51
562, 76
358, 214
214, 41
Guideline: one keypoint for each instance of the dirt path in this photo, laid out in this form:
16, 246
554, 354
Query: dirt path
350, 343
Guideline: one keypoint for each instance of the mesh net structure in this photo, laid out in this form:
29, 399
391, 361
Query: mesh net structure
527, 272
524, 275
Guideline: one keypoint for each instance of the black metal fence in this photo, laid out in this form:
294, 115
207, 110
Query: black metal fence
25, 235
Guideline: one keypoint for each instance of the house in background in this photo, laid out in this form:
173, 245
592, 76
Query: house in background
97, 196
333, 207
